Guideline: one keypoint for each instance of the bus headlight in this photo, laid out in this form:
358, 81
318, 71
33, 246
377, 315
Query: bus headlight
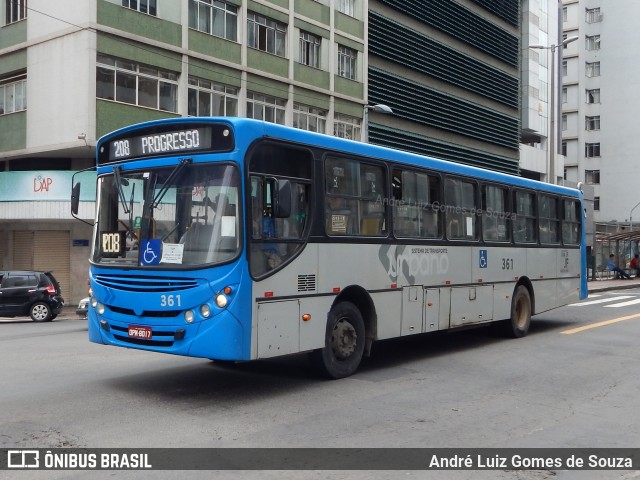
205, 310
221, 300
99, 308
93, 301
188, 316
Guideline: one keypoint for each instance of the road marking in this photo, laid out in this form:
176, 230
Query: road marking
599, 324
624, 304
601, 300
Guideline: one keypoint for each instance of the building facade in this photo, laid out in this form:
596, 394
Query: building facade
73, 71
599, 105
542, 57
450, 72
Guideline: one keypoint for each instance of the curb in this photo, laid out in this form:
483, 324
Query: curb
618, 286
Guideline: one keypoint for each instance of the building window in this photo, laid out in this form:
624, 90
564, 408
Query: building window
596, 203
592, 123
346, 6
214, 17
144, 6
564, 122
593, 96
207, 98
13, 95
593, 15
593, 42
564, 68
346, 126
137, 84
591, 150
16, 11
592, 177
347, 61
563, 151
565, 16
309, 49
592, 69
309, 118
266, 34
266, 107
564, 95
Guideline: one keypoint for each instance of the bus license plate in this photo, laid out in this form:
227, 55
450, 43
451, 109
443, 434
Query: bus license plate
140, 332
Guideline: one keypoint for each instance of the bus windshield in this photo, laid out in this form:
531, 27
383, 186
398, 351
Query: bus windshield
184, 215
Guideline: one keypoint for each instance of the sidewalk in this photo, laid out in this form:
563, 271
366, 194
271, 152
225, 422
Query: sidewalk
612, 284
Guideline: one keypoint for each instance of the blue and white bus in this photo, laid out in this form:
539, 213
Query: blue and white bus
234, 239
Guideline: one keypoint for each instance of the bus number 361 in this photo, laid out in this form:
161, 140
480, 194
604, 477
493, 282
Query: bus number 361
170, 301
507, 263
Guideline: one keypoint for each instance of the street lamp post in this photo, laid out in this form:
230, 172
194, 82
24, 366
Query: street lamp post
365, 118
631, 216
552, 113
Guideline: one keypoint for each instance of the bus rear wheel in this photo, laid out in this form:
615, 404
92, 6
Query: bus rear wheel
344, 342
518, 325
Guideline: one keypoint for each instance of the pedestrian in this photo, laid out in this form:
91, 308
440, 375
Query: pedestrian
611, 265
635, 265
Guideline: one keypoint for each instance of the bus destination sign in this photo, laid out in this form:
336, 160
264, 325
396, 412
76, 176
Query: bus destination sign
160, 144
190, 138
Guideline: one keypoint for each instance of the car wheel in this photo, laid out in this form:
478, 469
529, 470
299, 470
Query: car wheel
40, 312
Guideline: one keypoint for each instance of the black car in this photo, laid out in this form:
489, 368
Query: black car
36, 294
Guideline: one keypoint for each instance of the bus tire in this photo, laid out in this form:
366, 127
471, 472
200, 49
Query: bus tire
518, 325
344, 342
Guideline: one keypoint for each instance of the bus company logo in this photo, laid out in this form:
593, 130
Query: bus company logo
413, 262
23, 459
42, 184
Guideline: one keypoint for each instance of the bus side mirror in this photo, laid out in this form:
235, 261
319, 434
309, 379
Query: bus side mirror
281, 198
75, 199
75, 196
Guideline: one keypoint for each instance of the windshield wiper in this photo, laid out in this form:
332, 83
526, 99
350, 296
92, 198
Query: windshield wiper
119, 182
168, 182
133, 189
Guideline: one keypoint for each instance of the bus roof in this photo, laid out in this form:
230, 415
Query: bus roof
253, 129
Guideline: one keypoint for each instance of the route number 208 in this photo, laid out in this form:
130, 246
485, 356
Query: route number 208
170, 301
122, 148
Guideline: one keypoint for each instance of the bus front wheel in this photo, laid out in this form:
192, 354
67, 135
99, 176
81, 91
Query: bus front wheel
344, 342
518, 325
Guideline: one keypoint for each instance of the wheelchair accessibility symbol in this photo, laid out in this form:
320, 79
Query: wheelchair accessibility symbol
151, 251
483, 259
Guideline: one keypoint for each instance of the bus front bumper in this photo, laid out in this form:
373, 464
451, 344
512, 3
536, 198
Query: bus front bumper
220, 338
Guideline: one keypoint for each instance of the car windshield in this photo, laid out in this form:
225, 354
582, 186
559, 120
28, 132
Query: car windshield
186, 215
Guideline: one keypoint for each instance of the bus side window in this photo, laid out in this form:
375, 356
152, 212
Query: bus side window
343, 186
495, 215
571, 222
416, 199
549, 219
460, 203
524, 225
275, 239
